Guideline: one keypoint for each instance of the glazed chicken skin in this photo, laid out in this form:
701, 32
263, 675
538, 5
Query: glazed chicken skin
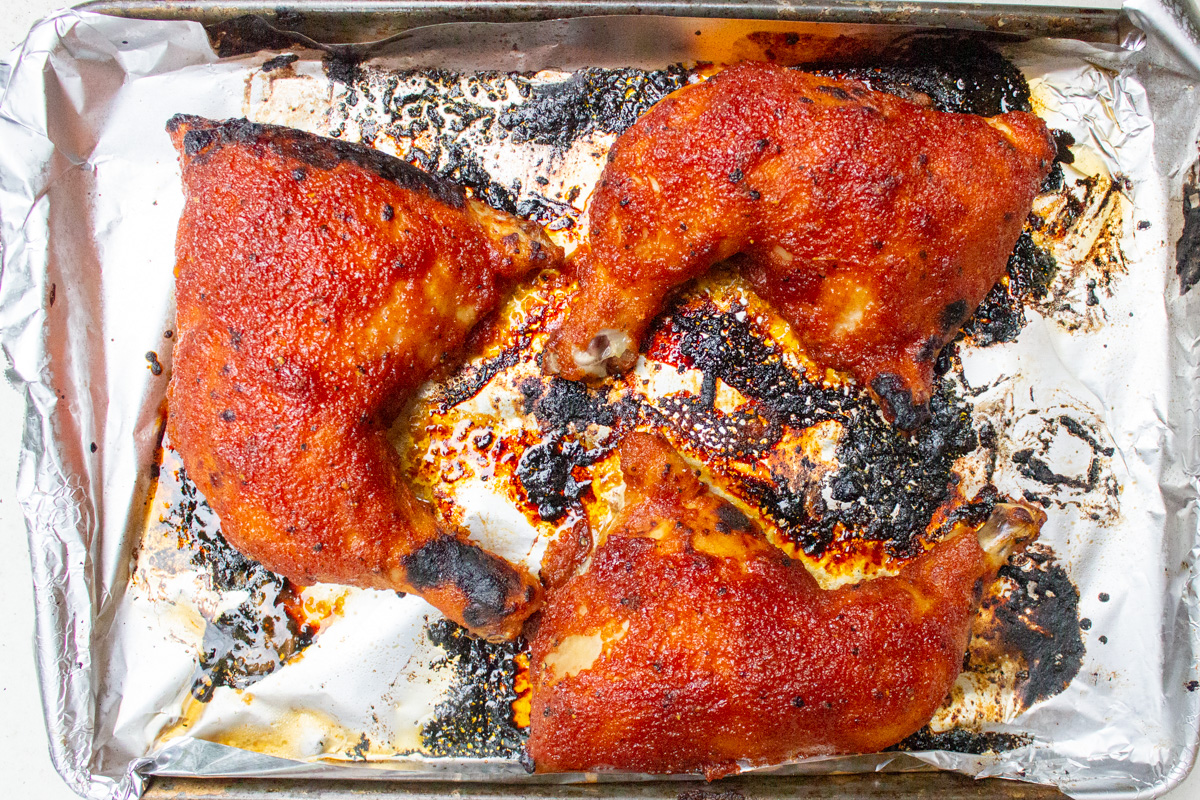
874, 225
318, 284
690, 643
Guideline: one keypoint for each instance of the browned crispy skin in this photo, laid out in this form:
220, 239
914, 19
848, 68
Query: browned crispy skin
874, 225
691, 643
318, 284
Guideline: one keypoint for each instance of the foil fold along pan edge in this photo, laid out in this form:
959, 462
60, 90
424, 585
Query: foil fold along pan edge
76, 539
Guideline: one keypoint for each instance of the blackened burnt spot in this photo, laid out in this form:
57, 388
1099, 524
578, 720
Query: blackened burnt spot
1034, 468
155, 366
475, 719
279, 62
545, 472
1187, 249
202, 136
601, 100
888, 484
469, 382
196, 141
1039, 619
898, 402
900, 479
460, 165
1001, 315
1080, 431
564, 409
953, 315
559, 403
957, 740
342, 68
731, 520
243, 644
722, 346
834, 91
928, 350
551, 213
487, 582
1062, 155
954, 73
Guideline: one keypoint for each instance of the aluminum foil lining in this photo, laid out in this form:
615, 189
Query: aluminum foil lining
1092, 408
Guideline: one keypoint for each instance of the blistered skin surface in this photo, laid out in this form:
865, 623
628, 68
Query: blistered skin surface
318, 284
874, 225
690, 643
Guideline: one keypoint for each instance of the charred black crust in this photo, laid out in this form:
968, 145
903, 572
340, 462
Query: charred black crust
475, 718
957, 740
545, 472
1001, 315
1187, 249
487, 582
604, 100
563, 409
730, 519
1039, 619
202, 137
279, 62
244, 644
952, 73
954, 314
897, 398
900, 479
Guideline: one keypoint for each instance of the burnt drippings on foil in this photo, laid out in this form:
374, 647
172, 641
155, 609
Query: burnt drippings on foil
1001, 315
250, 33
592, 100
550, 471
246, 643
1035, 615
959, 740
1187, 249
437, 117
949, 73
888, 484
1094, 490
1082, 223
476, 717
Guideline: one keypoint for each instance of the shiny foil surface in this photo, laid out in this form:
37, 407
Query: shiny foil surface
163, 651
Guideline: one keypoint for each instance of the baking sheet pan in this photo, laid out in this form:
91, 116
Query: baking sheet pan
70, 498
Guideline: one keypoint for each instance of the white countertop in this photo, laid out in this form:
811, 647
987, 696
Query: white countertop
25, 769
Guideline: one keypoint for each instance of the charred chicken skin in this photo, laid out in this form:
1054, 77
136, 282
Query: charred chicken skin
690, 643
318, 284
874, 225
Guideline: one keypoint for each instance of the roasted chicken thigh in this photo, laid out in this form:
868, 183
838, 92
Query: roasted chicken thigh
690, 643
318, 284
874, 225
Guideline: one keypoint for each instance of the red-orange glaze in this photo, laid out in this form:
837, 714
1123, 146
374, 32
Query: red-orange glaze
318, 284
876, 226
712, 647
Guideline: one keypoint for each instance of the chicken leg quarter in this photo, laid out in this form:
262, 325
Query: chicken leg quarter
692, 644
318, 284
874, 225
